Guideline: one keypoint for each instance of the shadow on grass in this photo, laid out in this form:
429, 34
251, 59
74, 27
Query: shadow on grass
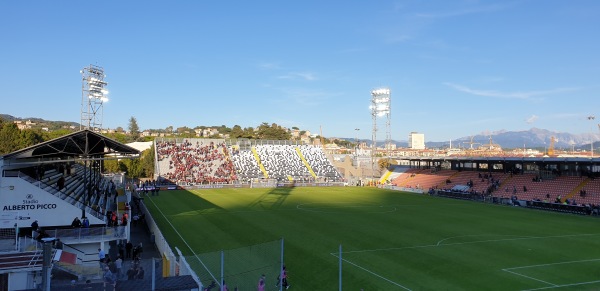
273, 198
187, 203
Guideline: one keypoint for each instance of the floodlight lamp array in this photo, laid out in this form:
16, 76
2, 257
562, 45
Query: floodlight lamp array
381, 91
380, 102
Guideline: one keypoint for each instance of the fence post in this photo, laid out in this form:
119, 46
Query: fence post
340, 256
281, 268
222, 270
153, 275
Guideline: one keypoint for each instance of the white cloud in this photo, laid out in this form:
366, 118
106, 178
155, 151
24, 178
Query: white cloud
532, 119
508, 95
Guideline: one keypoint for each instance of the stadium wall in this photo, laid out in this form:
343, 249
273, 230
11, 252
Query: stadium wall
27, 203
175, 266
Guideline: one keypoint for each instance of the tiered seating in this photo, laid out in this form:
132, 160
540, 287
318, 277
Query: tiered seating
282, 161
74, 187
245, 164
481, 181
195, 162
321, 166
592, 193
403, 177
428, 179
546, 190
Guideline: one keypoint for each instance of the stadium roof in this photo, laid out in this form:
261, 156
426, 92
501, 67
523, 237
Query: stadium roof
582, 160
141, 145
81, 145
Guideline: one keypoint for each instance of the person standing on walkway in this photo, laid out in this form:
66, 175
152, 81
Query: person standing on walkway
140, 273
34, 228
128, 248
119, 265
101, 257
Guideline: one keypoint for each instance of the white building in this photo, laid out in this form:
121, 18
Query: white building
416, 141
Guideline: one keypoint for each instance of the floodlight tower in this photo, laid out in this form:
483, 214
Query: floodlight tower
93, 96
591, 118
381, 106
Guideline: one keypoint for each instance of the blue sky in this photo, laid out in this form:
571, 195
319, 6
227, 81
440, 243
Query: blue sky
455, 68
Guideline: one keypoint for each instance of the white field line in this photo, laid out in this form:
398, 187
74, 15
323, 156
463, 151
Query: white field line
535, 279
471, 242
185, 242
373, 273
438, 244
550, 264
566, 285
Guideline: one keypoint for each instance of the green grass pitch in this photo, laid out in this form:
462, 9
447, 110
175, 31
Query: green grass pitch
391, 240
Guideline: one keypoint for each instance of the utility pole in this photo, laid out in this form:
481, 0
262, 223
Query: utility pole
591, 118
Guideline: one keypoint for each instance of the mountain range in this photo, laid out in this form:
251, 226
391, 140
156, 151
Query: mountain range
532, 138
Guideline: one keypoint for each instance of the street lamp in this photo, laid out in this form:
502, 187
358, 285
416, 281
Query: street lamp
591, 118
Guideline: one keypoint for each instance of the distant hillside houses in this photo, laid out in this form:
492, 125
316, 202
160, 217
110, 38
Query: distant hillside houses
24, 124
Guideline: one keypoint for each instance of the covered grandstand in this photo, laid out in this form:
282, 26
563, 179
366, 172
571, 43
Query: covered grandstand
536, 182
51, 183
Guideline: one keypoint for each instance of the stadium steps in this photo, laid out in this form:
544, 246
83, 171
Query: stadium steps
385, 177
262, 167
90, 271
404, 182
395, 174
310, 170
576, 190
443, 183
503, 185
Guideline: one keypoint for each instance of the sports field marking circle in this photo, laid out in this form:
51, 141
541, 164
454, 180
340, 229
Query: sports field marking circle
345, 207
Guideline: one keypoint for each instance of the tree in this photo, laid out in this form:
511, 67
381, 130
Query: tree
236, 132
274, 132
29, 137
184, 129
134, 129
133, 168
114, 166
224, 129
147, 162
249, 133
120, 137
56, 133
385, 163
9, 135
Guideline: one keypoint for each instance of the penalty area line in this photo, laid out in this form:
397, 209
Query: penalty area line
372, 273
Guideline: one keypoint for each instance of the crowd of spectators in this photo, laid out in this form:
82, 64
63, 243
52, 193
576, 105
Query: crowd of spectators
197, 162
319, 163
245, 164
282, 161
